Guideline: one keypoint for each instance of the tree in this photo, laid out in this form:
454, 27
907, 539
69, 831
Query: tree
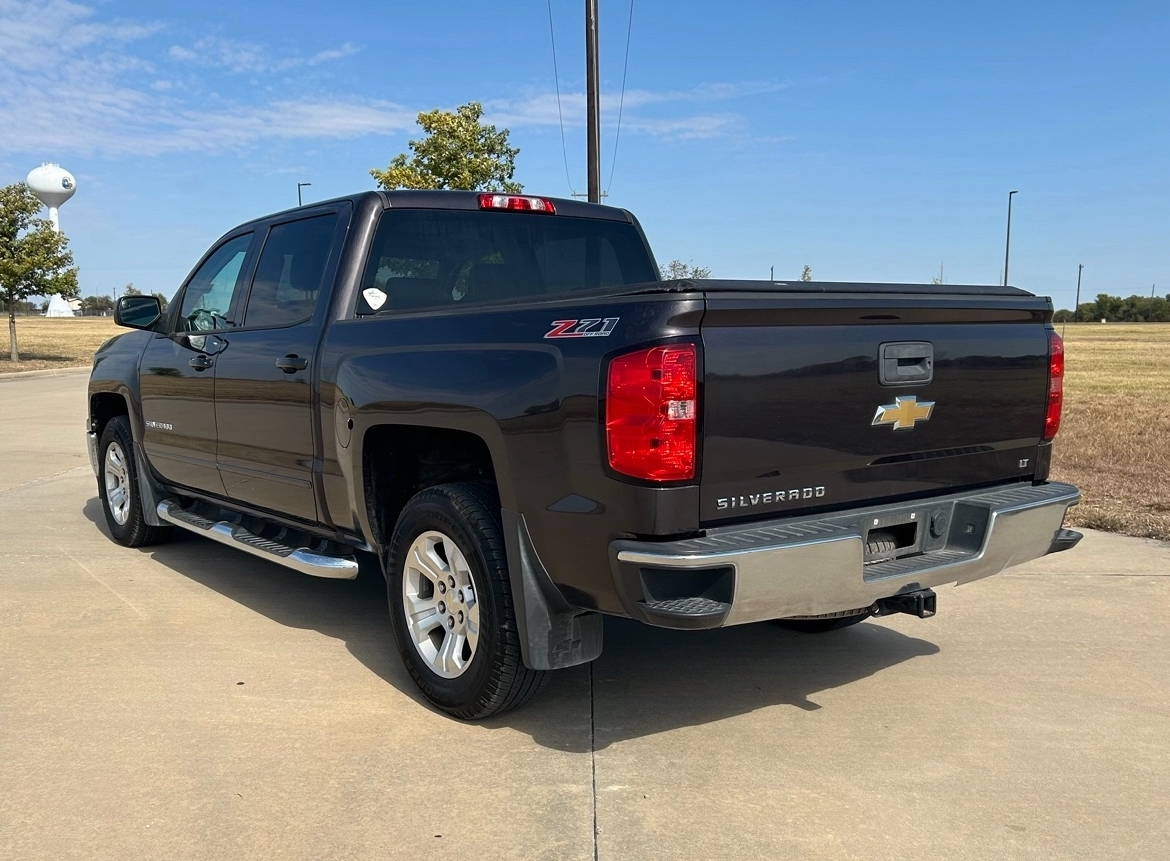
1114, 309
458, 152
676, 270
131, 290
162, 300
34, 258
97, 304
806, 275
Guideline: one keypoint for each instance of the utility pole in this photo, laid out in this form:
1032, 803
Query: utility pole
771, 273
1008, 248
592, 101
1077, 306
1152, 286
301, 185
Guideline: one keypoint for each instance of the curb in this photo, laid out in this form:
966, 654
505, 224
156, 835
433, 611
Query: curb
46, 372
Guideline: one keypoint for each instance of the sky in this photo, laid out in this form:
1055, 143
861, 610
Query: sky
871, 142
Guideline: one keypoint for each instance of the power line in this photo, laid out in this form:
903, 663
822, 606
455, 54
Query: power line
557, 78
622, 101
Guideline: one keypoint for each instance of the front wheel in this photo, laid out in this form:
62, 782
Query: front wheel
451, 603
118, 488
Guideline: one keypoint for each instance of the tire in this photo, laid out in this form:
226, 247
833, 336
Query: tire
820, 626
461, 644
118, 488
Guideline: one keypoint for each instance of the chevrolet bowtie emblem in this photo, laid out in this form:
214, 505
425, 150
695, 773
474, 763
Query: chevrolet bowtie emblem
903, 413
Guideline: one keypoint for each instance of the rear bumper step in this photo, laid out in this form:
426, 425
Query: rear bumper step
300, 559
1065, 539
819, 566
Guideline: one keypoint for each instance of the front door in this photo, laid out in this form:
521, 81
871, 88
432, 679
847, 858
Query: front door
178, 372
264, 377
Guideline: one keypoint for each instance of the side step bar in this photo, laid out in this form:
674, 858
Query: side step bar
299, 559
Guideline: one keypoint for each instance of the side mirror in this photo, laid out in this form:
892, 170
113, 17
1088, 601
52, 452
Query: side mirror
137, 312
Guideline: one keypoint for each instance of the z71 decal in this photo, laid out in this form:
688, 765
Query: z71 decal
595, 328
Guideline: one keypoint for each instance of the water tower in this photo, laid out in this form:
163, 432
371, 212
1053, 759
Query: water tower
53, 186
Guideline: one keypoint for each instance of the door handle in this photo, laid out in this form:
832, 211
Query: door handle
201, 363
290, 364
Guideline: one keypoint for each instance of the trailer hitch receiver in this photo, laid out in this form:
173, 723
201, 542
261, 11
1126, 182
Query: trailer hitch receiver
920, 603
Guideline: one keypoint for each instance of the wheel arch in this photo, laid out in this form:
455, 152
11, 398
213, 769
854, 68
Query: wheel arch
105, 405
398, 460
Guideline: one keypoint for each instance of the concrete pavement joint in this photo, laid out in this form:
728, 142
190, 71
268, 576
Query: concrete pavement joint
101, 582
43, 478
593, 758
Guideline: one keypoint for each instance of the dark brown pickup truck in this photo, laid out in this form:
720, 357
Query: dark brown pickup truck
498, 397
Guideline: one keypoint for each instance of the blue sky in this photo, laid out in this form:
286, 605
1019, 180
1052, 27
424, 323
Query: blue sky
873, 142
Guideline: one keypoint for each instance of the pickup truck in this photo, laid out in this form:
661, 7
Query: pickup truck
498, 397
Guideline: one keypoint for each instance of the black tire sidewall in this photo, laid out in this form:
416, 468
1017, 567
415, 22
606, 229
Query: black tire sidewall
433, 511
118, 430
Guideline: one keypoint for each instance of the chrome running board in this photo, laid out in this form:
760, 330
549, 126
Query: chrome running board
300, 559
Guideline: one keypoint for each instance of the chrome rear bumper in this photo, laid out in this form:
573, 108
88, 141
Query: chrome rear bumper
817, 566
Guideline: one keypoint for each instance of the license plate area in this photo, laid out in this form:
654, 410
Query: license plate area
893, 536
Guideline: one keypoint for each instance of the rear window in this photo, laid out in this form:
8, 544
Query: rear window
433, 258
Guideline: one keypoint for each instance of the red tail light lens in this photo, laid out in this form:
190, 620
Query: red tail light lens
518, 202
650, 410
1055, 385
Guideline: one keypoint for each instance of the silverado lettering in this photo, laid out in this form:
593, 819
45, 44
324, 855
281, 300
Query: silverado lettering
752, 499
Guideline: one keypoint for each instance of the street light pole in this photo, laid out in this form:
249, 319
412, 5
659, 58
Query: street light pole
301, 185
592, 102
1008, 246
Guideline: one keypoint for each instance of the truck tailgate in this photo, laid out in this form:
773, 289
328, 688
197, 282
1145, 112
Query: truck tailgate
793, 387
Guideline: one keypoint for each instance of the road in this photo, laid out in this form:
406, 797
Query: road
191, 702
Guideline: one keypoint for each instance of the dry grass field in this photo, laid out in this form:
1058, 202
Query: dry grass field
1114, 442
59, 342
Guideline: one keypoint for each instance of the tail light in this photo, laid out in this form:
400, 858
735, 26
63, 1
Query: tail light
1055, 385
518, 202
650, 409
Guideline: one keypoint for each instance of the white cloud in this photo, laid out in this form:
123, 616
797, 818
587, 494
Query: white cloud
248, 57
346, 50
72, 84
540, 109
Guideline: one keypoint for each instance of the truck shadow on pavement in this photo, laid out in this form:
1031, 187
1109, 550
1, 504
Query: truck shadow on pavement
647, 680
652, 680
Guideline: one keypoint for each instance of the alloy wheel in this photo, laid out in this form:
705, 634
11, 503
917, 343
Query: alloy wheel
441, 605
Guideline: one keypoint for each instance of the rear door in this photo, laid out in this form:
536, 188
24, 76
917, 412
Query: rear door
178, 369
264, 378
796, 414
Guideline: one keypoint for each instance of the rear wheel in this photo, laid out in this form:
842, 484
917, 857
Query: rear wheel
451, 603
118, 488
820, 626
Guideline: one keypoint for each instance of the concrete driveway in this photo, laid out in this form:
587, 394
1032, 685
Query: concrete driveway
188, 701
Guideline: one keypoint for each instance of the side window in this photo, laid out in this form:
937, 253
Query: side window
208, 296
288, 276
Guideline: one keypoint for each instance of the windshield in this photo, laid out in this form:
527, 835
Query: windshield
429, 258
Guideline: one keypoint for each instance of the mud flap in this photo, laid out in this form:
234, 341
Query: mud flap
553, 634
148, 492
